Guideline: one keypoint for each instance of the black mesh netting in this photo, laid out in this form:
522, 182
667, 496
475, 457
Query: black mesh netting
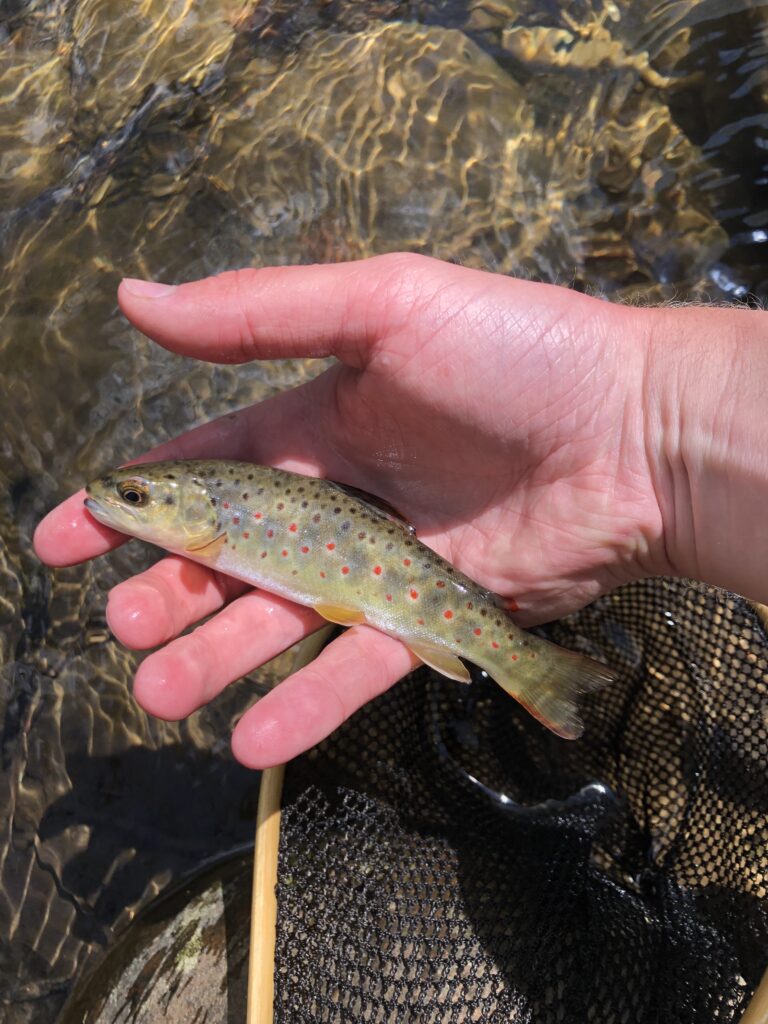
445, 859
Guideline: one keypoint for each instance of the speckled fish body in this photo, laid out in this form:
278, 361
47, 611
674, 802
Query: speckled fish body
309, 540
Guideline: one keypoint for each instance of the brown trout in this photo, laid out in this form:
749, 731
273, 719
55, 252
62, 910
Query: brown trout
319, 544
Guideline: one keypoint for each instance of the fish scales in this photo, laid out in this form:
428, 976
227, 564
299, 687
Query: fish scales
309, 540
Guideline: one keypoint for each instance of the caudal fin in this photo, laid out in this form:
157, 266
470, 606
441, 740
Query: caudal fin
550, 686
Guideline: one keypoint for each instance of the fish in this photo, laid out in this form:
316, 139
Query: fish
351, 558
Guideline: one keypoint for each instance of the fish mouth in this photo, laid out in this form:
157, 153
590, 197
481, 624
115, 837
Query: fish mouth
97, 510
103, 509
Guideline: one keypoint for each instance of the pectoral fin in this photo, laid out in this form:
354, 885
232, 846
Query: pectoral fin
342, 616
209, 548
442, 661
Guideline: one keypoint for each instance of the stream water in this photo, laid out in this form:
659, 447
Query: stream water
619, 147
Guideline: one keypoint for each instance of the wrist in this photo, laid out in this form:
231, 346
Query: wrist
706, 428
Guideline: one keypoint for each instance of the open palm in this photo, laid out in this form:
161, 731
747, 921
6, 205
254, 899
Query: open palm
504, 419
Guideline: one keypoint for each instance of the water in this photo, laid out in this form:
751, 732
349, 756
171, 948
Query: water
617, 147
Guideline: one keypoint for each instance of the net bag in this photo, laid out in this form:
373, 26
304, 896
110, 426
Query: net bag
443, 858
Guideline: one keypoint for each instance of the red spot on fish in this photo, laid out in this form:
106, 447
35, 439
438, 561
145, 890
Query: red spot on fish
389, 597
236, 520
305, 549
477, 632
270, 533
514, 657
420, 621
293, 527
377, 570
323, 575
345, 569
494, 645
511, 604
470, 605
246, 535
225, 504
406, 561
448, 614
257, 515
440, 583
280, 506
330, 546
263, 554
284, 553
414, 594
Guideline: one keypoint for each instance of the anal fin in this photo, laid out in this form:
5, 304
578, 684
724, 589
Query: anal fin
341, 616
441, 661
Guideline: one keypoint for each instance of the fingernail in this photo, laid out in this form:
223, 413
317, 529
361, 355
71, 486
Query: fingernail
147, 289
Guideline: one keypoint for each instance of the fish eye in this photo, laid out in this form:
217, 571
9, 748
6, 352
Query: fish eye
134, 492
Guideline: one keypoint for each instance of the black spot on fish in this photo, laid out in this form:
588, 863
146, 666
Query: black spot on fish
287, 490
427, 565
346, 524
336, 510
483, 612
372, 540
260, 490
305, 504
169, 499
250, 476
236, 483
214, 500
301, 490
389, 546
245, 495
169, 476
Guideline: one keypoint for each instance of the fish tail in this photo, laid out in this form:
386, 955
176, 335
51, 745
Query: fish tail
550, 684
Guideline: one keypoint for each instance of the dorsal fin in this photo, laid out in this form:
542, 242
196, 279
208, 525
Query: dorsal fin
376, 503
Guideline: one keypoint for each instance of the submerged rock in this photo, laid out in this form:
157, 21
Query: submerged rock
185, 960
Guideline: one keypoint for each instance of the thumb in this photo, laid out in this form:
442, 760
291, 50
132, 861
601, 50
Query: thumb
340, 309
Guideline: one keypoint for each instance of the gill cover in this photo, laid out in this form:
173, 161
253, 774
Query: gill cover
163, 503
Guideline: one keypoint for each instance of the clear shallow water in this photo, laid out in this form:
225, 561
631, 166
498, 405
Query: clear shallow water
616, 147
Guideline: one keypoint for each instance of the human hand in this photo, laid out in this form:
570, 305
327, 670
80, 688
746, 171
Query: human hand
505, 419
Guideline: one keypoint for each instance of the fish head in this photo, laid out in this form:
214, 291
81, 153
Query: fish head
164, 503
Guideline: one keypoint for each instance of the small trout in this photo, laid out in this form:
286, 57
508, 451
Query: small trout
319, 544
